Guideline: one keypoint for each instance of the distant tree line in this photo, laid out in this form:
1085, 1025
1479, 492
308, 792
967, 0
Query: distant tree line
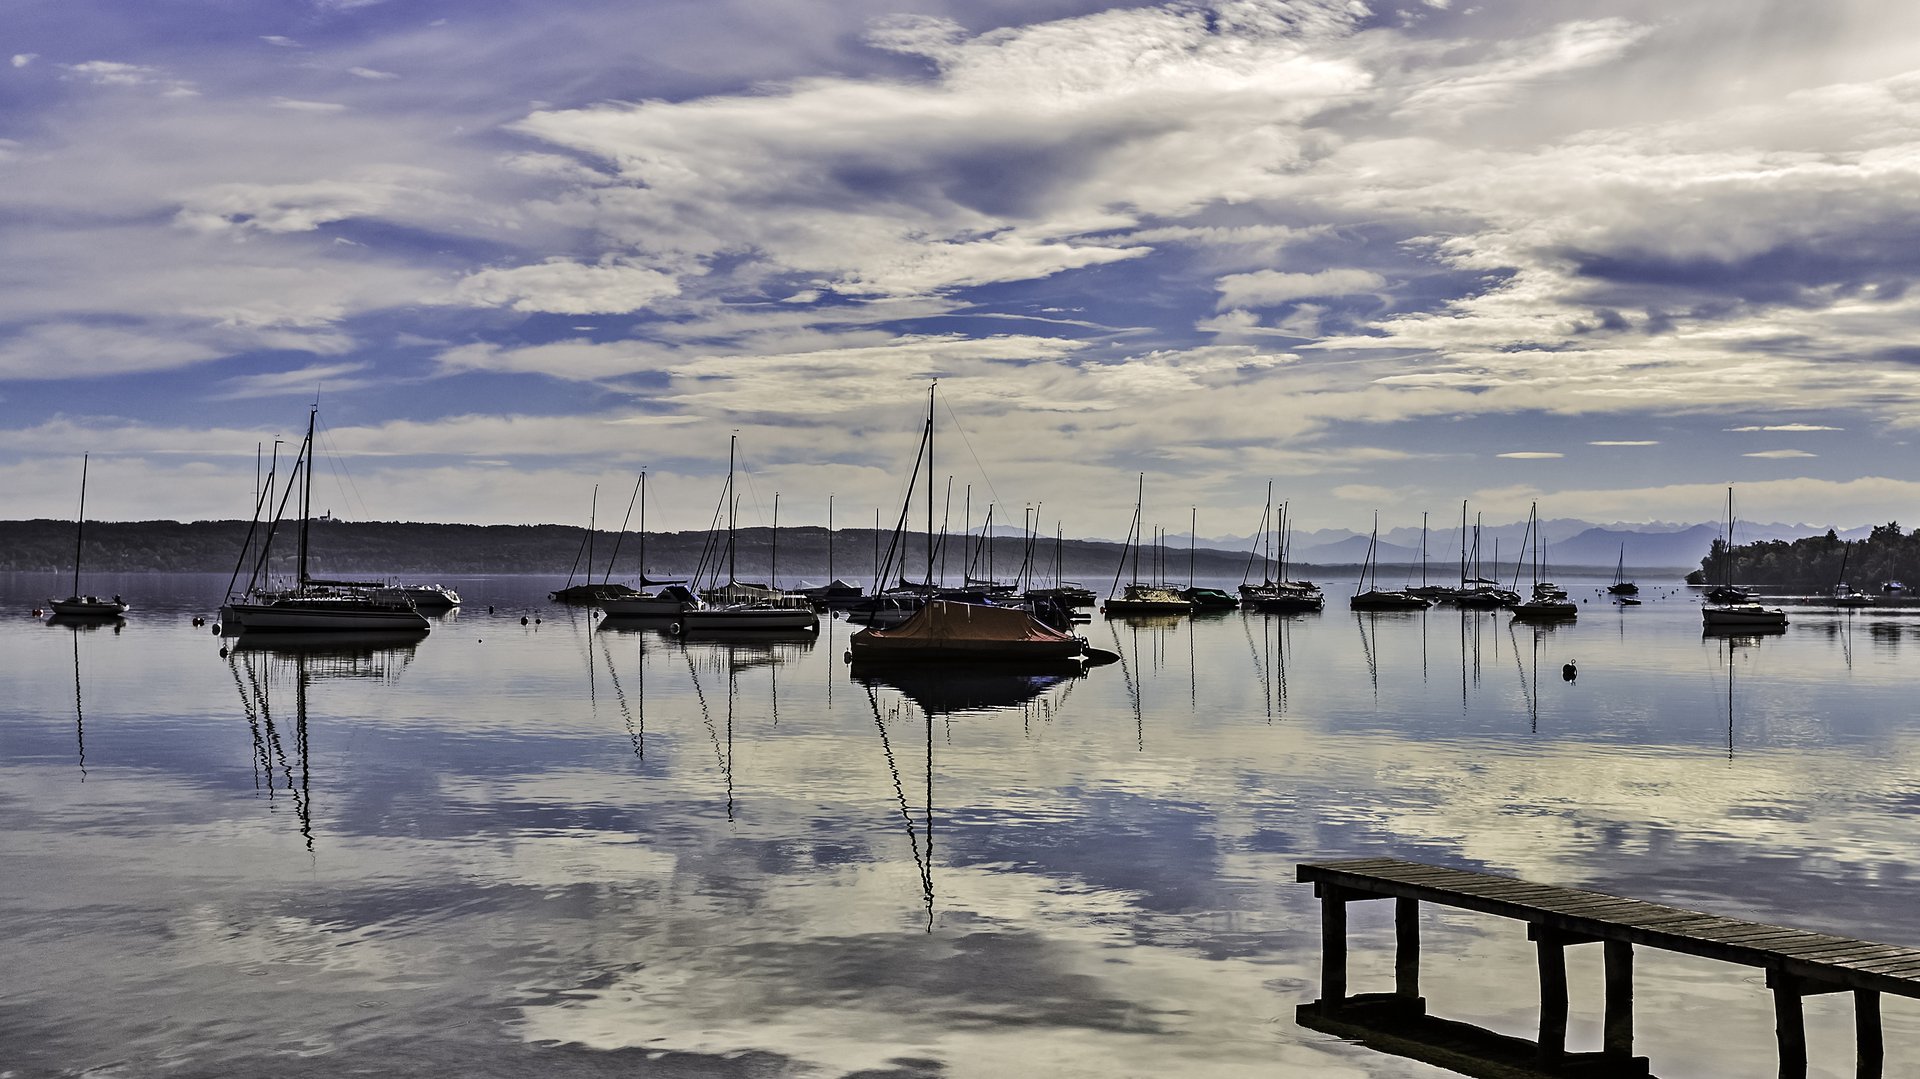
1816, 563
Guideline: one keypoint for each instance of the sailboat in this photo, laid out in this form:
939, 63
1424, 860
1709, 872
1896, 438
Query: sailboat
311, 604
1208, 599
80, 605
1377, 598
767, 609
1844, 594
1423, 589
589, 593
1621, 586
1549, 604
1140, 598
1729, 606
1287, 596
673, 598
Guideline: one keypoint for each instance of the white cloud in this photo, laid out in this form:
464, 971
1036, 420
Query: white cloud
1625, 442
1788, 427
371, 74
296, 105
1531, 455
1270, 288
1780, 454
22, 59
565, 287
280, 41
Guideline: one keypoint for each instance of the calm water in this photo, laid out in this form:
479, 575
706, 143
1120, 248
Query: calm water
598, 852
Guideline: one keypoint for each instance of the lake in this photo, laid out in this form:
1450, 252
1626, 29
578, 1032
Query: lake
564, 849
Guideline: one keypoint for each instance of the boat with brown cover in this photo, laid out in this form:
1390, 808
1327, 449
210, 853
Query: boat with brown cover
944, 630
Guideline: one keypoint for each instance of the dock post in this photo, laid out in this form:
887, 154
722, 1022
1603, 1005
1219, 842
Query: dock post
1333, 946
1866, 1027
1618, 1039
1406, 956
1553, 996
1789, 1025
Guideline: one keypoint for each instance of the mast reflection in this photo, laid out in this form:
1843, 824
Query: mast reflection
259, 662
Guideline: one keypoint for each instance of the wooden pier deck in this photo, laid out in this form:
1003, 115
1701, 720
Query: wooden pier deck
1799, 963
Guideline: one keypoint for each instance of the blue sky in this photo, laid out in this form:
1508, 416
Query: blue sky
1612, 256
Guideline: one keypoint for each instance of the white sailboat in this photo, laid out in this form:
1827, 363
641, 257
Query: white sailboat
80, 605
1733, 613
778, 611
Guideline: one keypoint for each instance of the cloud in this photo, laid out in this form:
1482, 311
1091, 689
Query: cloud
1531, 455
371, 73
331, 377
280, 41
1269, 288
1625, 442
1788, 427
296, 105
565, 287
22, 59
1780, 454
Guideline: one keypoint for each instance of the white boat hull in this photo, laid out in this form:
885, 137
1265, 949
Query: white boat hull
725, 618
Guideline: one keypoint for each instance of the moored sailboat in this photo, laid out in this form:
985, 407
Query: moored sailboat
1138, 598
1377, 598
1549, 603
79, 604
1730, 606
310, 604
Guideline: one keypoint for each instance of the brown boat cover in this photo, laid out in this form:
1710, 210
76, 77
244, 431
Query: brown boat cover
972, 629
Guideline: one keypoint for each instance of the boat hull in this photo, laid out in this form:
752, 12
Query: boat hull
87, 607
1751, 616
1387, 601
1546, 611
1146, 606
643, 607
297, 615
736, 618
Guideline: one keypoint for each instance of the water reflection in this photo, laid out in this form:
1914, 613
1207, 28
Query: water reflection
253, 673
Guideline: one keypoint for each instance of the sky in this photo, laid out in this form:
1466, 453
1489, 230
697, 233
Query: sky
1611, 256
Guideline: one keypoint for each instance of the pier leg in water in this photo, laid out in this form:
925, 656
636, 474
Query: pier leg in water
1789, 1025
1618, 1038
1333, 946
1552, 950
1406, 956
1866, 1028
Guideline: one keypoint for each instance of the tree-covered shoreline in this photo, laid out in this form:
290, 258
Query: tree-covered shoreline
1816, 563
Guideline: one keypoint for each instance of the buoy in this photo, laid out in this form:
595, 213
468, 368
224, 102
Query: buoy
223, 651
216, 629
523, 619
1569, 672
536, 621
489, 608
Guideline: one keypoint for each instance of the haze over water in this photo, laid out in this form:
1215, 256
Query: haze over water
593, 851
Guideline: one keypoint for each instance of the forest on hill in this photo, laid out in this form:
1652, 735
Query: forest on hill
403, 549
1816, 563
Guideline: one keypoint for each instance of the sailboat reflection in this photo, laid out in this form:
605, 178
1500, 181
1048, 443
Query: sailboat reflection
79, 717
727, 657
88, 623
263, 663
949, 689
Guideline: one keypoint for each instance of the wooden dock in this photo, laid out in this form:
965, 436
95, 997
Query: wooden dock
1798, 963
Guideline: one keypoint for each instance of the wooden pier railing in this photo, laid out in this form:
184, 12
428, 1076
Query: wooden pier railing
1798, 963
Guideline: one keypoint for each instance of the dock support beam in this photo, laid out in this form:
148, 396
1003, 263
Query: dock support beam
1333, 946
1406, 956
1618, 1039
1553, 996
1866, 1028
1789, 1024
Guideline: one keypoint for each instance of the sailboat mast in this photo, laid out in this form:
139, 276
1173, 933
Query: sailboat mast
621, 535
643, 527
306, 497
930, 389
830, 577
1139, 497
1193, 542
80, 524
773, 569
733, 509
